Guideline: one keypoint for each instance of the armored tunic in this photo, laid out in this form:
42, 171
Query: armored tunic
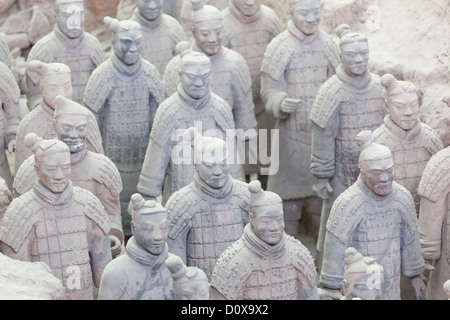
40, 121
136, 275
230, 80
167, 166
381, 227
411, 151
63, 230
251, 269
159, 39
204, 221
295, 66
82, 55
434, 221
89, 170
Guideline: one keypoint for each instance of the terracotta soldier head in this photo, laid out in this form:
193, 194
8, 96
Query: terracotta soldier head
149, 224
189, 283
305, 15
195, 73
149, 9
70, 17
54, 80
126, 40
402, 101
363, 276
354, 49
51, 161
71, 123
376, 164
207, 27
266, 214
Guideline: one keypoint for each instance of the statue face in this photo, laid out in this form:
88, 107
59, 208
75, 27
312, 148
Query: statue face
195, 80
362, 291
404, 110
379, 175
127, 46
306, 16
56, 84
248, 7
355, 57
149, 9
70, 19
54, 171
193, 290
72, 130
208, 36
268, 223
151, 231
214, 174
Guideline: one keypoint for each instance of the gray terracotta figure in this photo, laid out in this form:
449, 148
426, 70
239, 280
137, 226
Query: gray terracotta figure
376, 216
187, 7
168, 164
124, 93
196, 234
141, 273
160, 32
5, 53
9, 119
363, 277
349, 102
54, 80
89, 170
248, 28
70, 44
434, 214
57, 223
296, 63
265, 263
188, 283
5, 197
412, 142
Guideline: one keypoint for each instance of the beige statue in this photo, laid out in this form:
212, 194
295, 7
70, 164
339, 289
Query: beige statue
57, 223
160, 32
412, 142
196, 236
349, 102
188, 283
69, 44
89, 170
446, 288
54, 79
295, 65
265, 263
141, 273
376, 216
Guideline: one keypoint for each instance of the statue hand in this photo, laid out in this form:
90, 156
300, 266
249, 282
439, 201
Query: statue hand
12, 146
322, 187
419, 287
329, 294
290, 105
116, 246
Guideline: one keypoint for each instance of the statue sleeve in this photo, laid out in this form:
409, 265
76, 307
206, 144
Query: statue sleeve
333, 264
323, 150
273, 93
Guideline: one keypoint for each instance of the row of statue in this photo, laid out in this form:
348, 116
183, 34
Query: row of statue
127, 178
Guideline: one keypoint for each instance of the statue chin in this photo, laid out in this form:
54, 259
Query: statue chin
76, 147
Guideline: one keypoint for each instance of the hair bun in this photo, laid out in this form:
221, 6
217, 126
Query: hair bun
364, 139
255, 186
137, 201
388, 81
342, 30
111, 23
32, 140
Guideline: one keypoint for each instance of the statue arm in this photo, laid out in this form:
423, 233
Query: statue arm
323, 150
273, 93
99, 251
333, 264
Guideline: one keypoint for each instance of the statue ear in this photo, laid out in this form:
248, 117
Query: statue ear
345, 283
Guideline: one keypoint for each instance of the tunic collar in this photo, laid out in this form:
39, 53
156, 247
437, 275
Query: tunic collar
68, 42
136, 252
363, 83
149, 24
259, 247
124, 69
54, 199
400, 132
221, 193
296, 32
194, 103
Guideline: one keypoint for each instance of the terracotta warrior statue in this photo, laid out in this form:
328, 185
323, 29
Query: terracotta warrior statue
434, 192
5, 197
197, 236
124, 93
412, 142
89, 170
248, 28
349, 102
68, 43
295, 65
57, 223
9, 119
188, 283
265, 263
160, 32
141, 273
54, 80
376, 216
363, 277
168, 164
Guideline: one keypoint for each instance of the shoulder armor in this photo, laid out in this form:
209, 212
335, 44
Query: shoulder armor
272, 19
174, 27
223, 114
278, 54
436, 176
330, 49
8, 84
164, 120
107, 173
304, 261
97, 54
239, 69
171, 78
153, 79
93, 208
24, 178
98, 87
432, 142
